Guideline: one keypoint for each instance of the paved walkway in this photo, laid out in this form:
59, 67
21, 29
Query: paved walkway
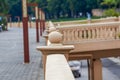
111, 69
11, 56
13, 68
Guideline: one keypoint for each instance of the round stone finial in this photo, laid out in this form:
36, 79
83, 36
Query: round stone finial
55, 37
52, 29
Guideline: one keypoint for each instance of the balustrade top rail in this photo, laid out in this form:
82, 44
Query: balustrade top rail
57, 68
89, 32
89, 25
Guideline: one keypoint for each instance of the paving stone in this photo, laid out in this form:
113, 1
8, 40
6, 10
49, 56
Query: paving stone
11, 56
13, 68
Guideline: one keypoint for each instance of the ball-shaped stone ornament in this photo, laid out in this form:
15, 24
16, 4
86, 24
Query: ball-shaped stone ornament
52, 29
55, 37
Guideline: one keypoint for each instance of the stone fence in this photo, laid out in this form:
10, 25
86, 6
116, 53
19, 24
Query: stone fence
20, 24
90, 32
59, 48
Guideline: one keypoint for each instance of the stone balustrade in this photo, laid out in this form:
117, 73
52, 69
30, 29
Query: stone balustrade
56, 55
89, 32
20, 24
82, 34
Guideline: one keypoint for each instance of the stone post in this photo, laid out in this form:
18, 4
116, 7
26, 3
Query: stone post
55, 47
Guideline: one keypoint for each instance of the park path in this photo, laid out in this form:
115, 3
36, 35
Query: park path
13, 68
11, 56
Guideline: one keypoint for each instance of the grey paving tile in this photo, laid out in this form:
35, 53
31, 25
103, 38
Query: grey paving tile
11, 56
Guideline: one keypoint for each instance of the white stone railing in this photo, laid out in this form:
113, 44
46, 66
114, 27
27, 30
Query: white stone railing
89, 32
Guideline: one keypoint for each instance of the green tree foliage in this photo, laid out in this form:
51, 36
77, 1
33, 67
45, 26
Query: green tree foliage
118, 3
72, 8
4, 7
58, 8
109, 3
112, 5
16, 9
111, 12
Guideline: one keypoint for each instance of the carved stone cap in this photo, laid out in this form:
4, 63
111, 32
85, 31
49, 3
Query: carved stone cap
55, 49
52, 29
55, 37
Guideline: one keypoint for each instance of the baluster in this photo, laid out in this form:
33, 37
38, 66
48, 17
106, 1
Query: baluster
93, 33
97, 33
113, 33
117, 32
89, 33
85, 34
64, 36
105, 32
108, 33
101, 32
80, 35
76, 35
68, 37
72, 34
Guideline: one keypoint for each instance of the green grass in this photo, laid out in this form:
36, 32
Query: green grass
71, 19
67, 19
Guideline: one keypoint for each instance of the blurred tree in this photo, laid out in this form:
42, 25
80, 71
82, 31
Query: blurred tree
16, 9
4, 9
57, 8
118, 3
109, 3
